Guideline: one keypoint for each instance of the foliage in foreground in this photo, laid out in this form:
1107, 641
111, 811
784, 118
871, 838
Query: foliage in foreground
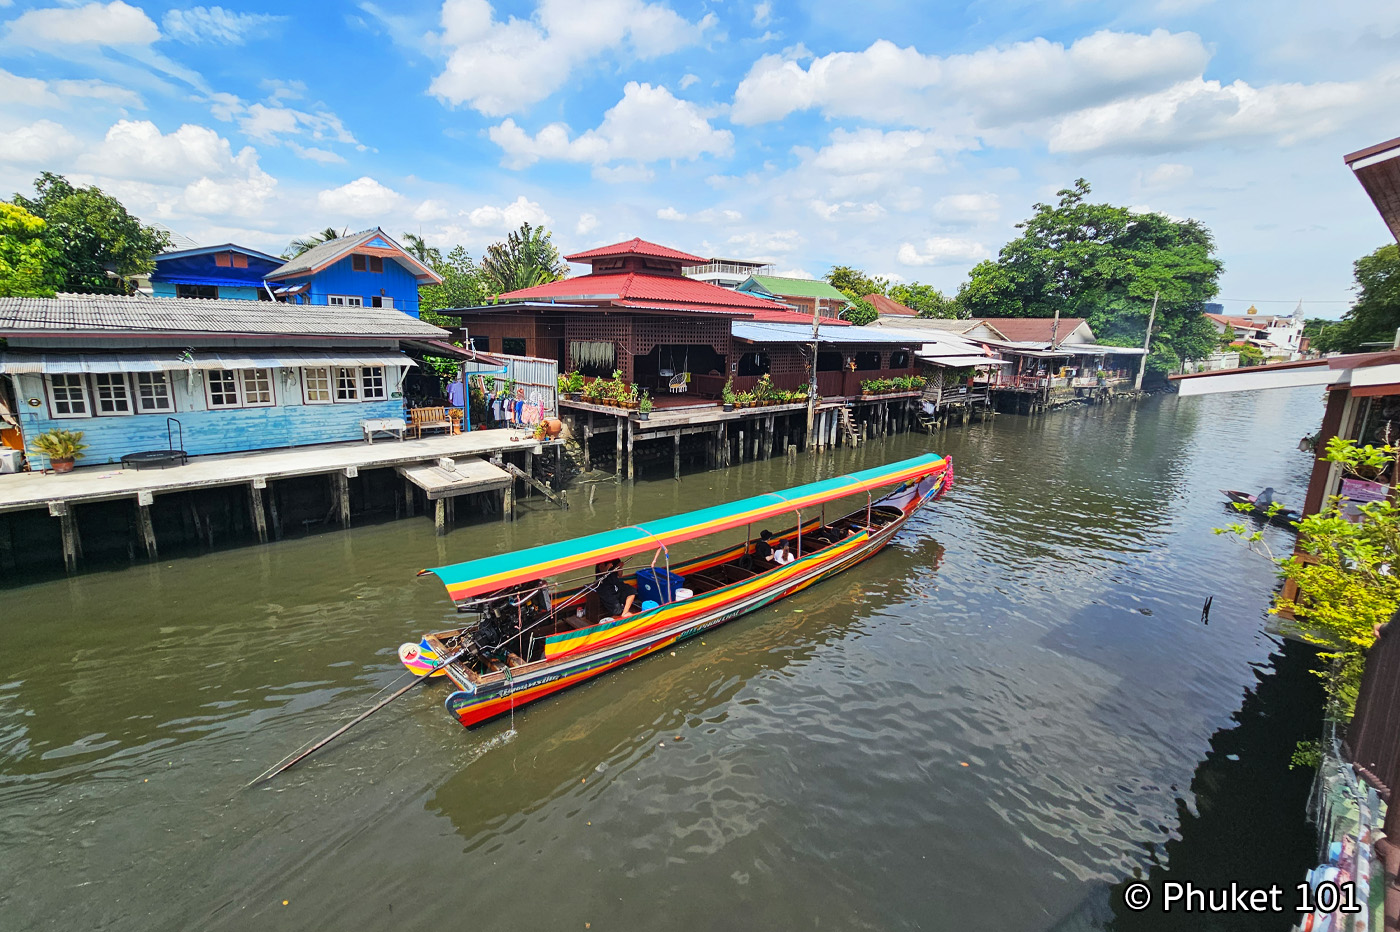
1346, 584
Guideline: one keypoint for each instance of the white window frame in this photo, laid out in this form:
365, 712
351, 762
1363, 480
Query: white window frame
77, 382
246, 391
327, 376
384, 301
367, 377
347, 379
112, 387
345, 300
237, 388
155, 380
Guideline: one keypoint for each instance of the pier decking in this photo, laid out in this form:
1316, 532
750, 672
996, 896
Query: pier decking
445, 467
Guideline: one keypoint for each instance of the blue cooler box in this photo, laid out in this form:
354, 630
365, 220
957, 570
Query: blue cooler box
658, 585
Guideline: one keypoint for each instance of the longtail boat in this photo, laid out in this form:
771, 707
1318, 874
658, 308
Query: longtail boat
531, 639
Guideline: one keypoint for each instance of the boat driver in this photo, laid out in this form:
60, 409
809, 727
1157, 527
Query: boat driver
614, 595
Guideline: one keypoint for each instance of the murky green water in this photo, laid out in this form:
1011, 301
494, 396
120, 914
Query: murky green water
1012, 708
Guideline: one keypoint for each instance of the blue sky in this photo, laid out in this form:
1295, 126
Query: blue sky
907, 139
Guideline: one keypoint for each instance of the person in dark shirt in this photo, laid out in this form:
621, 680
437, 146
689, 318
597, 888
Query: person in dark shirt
760, 557
614, 595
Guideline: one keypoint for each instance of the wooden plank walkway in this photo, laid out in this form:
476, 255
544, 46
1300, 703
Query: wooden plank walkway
465, 476
103, 483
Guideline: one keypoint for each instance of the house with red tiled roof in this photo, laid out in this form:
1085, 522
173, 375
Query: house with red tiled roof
633, 311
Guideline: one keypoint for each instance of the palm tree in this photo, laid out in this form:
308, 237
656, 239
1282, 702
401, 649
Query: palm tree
527, 258
298, 246
430, 256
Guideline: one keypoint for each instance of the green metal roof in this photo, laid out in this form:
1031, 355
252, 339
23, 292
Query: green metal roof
796, 287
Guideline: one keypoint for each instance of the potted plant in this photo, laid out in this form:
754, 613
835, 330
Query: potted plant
644, 406
575, 385
727, 396
62, 447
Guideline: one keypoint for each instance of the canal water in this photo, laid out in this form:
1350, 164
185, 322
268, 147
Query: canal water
990, 725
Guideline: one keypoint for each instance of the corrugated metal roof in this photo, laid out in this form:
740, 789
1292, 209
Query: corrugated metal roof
20, 363
757, 331
635, 247
115, 314
638, 286
798, 287
889, 306
1018, 329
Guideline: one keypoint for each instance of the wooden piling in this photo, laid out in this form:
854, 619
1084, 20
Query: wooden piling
255, 510
7, 547
408, 498
676, 456
621, 464
631, 442
440, 517
144, 527
340, 493
508, 502
69, 530
529, 469
587, 437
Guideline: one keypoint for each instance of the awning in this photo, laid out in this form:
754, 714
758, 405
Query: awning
961, 362
488, 574
14, 363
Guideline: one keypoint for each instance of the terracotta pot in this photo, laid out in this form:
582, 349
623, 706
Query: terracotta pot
552, 427
62, 465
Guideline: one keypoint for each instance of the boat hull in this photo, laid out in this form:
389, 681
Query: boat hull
672, 623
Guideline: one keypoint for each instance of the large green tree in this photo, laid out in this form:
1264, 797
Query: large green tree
926, 300
100, 244
1104, 263
461, 287
526, 258
29, 263
855, 283
1375, 316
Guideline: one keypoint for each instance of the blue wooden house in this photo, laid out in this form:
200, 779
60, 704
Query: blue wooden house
365, 269
233, 375
229, 272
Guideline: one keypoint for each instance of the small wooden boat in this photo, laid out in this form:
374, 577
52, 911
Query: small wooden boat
1283, 517
531, 639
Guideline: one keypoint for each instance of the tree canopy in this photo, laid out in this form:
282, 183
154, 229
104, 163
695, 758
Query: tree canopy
855, 283
93, 235
298, 246
526, 258
1375, 316
461, 286
1104, 263
29, 263
926, 300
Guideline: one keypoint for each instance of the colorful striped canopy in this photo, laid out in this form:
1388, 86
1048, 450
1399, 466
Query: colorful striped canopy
474, 577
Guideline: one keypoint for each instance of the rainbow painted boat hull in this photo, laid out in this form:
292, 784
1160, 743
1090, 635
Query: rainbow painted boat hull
572, 657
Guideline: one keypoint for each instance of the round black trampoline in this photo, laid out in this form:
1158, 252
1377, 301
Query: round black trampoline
155, 459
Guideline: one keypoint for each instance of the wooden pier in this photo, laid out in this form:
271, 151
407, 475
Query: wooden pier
443, 468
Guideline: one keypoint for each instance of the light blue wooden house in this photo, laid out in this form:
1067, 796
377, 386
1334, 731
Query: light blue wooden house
230, 375
365, 269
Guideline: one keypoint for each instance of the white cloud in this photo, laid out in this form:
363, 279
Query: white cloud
995, 86
942, 250
623, 174
968, 208
503, 67
136, 150
646, 125
795, 273
113, 24
18, 91
1168, 175
587, 223
431, 210
847, 210
316, 154
762, 13
762, 245
508, 217
362, 198
214, 24
42, 143
1197, 111
669, 213
688, 79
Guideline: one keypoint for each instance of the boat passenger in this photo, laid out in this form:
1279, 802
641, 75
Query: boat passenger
1264, 500
614, 595
783, 554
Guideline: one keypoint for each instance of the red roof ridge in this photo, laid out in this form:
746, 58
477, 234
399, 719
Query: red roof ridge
636, 246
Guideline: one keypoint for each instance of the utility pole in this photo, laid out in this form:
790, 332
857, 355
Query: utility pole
812, 379
1146, 342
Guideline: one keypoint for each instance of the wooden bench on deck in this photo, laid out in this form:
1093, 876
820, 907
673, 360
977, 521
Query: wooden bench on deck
421, 419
